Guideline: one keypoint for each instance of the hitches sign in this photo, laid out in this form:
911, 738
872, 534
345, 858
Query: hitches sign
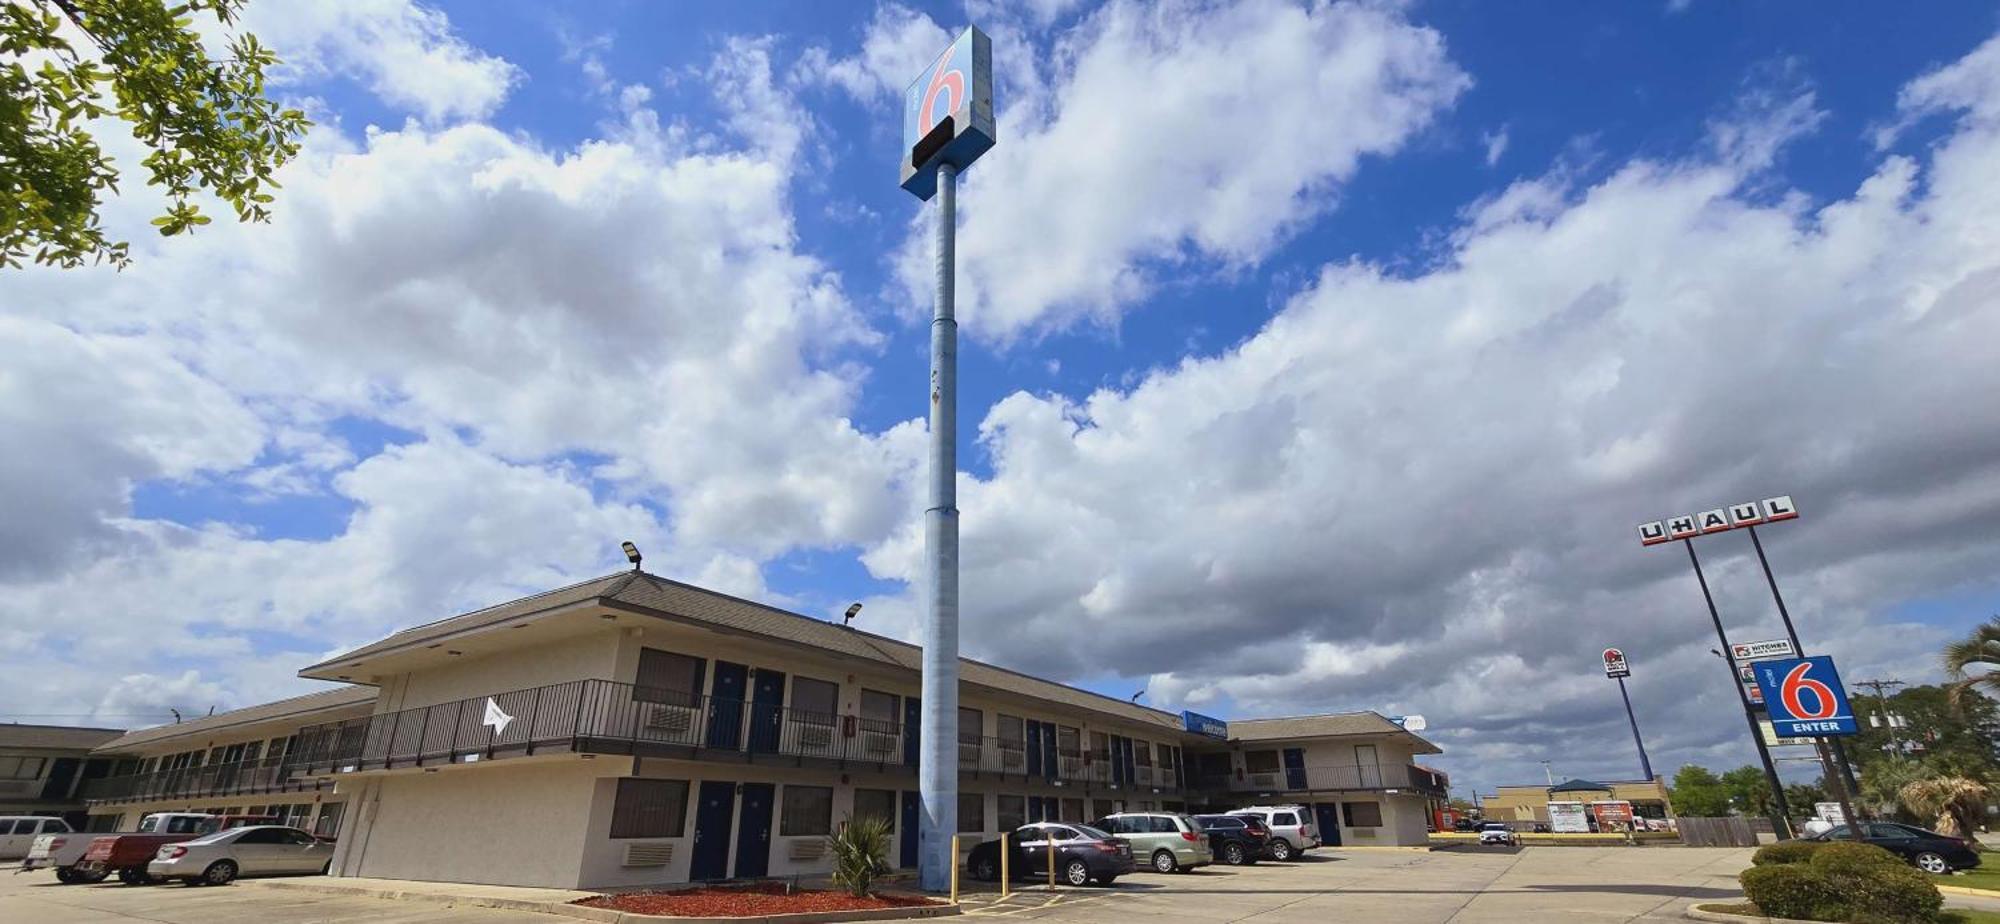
1719, 520
1614, 664
948, 112
1804, 697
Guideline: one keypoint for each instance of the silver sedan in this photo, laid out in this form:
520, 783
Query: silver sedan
261, 850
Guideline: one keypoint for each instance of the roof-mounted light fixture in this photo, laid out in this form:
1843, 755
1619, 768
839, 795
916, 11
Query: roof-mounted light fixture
852, 612
631, 553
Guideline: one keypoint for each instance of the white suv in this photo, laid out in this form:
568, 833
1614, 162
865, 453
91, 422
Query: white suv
1292, 831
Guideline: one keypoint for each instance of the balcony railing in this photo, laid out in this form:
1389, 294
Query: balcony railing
605, 717
1375, 776
249, 777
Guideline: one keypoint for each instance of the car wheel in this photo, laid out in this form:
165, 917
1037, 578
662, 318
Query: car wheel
1932, 863
80, 877
1281, 849
1076, 873
221, 872
1163, 861
984, 870
1233, 855
135, 877
65, 875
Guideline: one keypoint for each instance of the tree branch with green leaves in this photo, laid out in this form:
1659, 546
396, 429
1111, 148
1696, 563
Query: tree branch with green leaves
206, 121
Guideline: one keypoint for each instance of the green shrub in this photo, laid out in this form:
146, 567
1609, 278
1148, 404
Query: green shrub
1792, 890
1842, 881
860, 851
1785, 852
1876, 884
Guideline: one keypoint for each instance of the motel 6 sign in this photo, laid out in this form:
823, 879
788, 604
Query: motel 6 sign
1719, 520
1805, 698
1614, 664
948, 113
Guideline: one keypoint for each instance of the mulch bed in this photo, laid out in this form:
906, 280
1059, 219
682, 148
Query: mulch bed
747, 901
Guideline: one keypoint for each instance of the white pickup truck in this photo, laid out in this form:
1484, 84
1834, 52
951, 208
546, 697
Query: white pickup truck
62, 851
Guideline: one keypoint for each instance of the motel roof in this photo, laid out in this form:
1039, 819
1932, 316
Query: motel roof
297, 707
1329, 725
54, 737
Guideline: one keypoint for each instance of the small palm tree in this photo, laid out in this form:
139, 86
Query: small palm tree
1952, 800
860, 851
1981, 649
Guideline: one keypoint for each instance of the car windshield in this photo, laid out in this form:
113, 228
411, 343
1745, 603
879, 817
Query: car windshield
1090, 832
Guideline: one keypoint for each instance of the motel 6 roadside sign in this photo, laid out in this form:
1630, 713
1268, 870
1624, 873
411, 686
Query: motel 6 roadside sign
1804, 697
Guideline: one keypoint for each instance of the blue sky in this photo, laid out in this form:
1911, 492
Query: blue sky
586, 272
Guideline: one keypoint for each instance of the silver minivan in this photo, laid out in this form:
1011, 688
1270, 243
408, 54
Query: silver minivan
18, 833
1162, 841
1292, 831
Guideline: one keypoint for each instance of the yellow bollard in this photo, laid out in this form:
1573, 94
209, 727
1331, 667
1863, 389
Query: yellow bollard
1049, 844
1004, 879
954, 869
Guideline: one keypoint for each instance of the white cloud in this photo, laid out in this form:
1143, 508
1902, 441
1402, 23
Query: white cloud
1417, 493
402, 50
1495, 143
1177, 134
897, 45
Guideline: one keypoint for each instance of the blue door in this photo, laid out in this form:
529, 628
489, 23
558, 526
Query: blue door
753, 831
908, 825
1295, 769
913, 724
1326, 817
1034, 749
725, 705
767, 706
1051, 766
712, 816
1036, 809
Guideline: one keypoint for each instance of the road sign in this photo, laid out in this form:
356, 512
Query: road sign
1831, 812
948, 112
1762, 651
1614, 664
1805, 698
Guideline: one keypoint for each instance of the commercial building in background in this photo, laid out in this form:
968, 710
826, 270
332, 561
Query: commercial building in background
43, 767
1582, 804
633, 730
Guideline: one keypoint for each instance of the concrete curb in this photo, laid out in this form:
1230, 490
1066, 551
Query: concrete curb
604, 915
1700, 912
1967, 890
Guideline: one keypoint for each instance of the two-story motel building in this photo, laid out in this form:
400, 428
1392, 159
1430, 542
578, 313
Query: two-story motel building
633, 730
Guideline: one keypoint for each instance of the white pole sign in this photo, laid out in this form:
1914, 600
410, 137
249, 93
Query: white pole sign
1719, 520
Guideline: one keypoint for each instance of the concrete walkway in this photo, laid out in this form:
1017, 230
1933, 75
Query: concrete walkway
456, 894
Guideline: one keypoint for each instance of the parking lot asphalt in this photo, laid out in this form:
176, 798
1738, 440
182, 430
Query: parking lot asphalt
1466, 885
36, 898
1462, 885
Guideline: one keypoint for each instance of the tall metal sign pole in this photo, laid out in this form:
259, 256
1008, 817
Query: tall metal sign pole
1617, 668
947, 124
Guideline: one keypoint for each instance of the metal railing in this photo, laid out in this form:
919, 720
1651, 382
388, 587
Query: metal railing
248, 777
607, 717
1375, 776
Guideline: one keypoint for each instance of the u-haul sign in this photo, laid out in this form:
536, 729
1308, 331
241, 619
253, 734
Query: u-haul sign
1718, 520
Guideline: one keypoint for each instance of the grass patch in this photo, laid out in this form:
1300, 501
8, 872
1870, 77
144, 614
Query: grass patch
1981, 878
1969, 916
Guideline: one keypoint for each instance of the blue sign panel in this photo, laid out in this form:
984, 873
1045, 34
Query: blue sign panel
1804, 697
1205, 725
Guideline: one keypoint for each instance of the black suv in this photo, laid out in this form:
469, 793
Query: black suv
1232, 838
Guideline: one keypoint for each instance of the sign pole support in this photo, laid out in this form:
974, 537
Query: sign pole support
1833, 757
1780, 817
1645, 766
938, 724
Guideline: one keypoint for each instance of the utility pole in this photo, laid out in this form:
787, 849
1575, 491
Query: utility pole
947, 124
1889, 719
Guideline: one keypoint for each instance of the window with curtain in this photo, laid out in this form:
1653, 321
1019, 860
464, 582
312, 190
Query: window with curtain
879, 711
667, 677
1013, 812
971, 812
647, 808
1362, 814
875, 803
1260, 761
815, 701
808, 810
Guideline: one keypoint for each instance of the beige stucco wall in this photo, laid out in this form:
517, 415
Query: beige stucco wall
519, 822
584, 656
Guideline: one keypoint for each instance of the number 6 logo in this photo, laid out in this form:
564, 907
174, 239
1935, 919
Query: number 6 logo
1825, 706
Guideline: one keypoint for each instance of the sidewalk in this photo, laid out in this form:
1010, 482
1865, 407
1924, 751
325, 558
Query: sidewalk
513, 898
